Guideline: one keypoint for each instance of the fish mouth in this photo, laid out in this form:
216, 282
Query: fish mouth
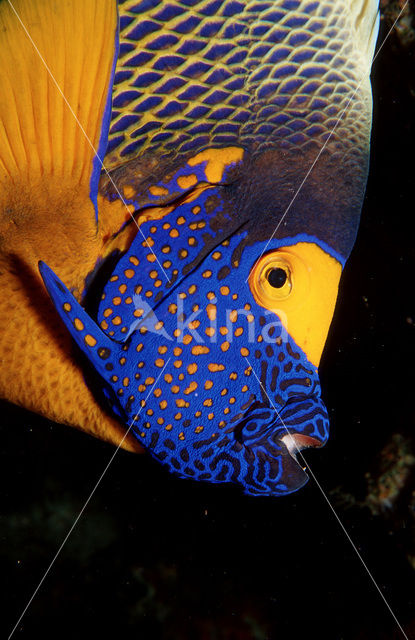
294, 475
296, 442
275, 446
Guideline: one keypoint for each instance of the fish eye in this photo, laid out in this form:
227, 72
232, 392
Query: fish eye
277, 277
274, 278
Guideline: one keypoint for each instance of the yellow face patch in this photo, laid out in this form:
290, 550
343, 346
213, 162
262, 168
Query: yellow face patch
299, 284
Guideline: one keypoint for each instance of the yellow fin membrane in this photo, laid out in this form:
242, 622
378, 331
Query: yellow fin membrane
38, 133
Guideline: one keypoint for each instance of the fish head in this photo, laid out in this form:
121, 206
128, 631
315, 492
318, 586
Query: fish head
208, 339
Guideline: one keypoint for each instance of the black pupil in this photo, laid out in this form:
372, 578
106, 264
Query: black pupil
277, 278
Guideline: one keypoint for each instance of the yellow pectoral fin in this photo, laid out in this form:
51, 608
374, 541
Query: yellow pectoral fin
304, 298
55, 68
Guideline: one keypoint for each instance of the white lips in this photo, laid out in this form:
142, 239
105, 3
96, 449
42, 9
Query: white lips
295, 442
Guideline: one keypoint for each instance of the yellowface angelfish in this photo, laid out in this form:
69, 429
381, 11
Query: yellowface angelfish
207, 251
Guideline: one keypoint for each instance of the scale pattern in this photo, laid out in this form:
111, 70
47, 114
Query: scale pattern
194, 73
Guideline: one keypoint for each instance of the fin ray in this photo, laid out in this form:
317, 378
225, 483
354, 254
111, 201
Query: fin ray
76, 42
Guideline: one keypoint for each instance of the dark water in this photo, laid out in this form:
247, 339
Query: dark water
155, 557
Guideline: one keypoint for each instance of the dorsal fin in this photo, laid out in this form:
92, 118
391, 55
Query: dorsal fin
48, 50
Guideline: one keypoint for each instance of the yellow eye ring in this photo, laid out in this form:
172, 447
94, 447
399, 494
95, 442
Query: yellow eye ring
280, 280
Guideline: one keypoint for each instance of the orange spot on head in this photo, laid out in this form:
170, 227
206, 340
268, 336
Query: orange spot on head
211, 311
213, 366
192, 387
198, 349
